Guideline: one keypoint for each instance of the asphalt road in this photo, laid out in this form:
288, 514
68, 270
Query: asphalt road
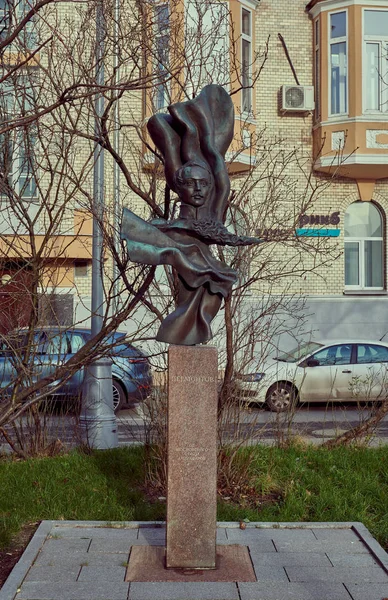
251, 424
315, 423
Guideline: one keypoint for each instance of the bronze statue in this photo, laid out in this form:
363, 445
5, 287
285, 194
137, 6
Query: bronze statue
193, 139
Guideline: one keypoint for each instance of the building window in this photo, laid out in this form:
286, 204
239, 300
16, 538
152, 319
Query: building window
11, 14
81, 268
376, 60
18, 145
338, 63
317, 68
5, 19
17, 164
363, 247
206, 45
162, 35
246, 60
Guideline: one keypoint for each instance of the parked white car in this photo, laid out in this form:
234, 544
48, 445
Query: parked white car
320, 371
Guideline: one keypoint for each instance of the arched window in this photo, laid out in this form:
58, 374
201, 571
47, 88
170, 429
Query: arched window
363, 247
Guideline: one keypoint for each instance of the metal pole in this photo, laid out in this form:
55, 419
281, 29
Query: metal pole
116, 169
97, 419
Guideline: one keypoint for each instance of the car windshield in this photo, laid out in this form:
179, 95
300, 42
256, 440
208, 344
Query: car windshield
299, 352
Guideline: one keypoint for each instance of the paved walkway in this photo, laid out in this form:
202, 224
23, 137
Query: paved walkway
70, 560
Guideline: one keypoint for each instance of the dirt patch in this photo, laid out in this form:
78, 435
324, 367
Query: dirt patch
248, 497
10, 556
243, 496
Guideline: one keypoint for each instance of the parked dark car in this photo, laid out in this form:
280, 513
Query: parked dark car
52, 346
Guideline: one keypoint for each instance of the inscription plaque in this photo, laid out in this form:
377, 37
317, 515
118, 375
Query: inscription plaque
192, 457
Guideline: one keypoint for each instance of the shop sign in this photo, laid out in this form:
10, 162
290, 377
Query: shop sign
332, 219
304, 231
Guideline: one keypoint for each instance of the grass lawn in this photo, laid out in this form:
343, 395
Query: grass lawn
294, 484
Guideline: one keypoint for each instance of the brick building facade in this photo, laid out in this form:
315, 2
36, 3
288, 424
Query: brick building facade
340, 48
317, 115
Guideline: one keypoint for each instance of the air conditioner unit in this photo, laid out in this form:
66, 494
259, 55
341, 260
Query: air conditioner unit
297, 98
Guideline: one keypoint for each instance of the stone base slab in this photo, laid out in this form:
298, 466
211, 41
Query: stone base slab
87, 560
147, 563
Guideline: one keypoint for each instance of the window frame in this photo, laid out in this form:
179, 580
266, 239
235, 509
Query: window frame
330, 42
361, 258
381, 40
249, 39
162, 89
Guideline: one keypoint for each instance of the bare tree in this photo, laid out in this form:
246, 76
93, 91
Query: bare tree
152, 54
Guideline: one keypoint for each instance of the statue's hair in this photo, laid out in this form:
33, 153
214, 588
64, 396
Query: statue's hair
178, 177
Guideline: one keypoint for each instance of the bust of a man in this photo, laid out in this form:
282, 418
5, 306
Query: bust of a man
194, 184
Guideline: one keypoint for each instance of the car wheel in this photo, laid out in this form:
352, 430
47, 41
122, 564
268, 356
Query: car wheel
119, 398
281, 397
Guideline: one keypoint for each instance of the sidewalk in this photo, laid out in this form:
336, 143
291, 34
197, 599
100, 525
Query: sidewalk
73, 560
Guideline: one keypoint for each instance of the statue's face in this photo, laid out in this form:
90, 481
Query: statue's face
196, 185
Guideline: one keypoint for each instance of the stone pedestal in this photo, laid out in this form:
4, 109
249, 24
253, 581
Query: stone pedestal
192, 457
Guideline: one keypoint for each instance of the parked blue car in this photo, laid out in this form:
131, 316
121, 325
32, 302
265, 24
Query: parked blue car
52, 346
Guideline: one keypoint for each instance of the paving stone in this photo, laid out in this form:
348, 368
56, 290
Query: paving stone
334, 535
372, 591
345, 546
338, 559
221, 537
96, 532
73, 591
143, 542
293, 591
266, 573
232, 540
70, 560
262, 546
372, 544
107, 524
56, 545
344, 575
253, 533
296, 535
288, 559
154, 537
244, 536
111, 545
307, 525
52, 553
265, 538
152, 534
263, 543
183, 591
54, 574
95, 574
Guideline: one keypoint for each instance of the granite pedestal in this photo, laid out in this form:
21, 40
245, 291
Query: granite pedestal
192, 457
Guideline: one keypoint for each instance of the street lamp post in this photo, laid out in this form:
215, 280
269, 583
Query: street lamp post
97, 419
116, 169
